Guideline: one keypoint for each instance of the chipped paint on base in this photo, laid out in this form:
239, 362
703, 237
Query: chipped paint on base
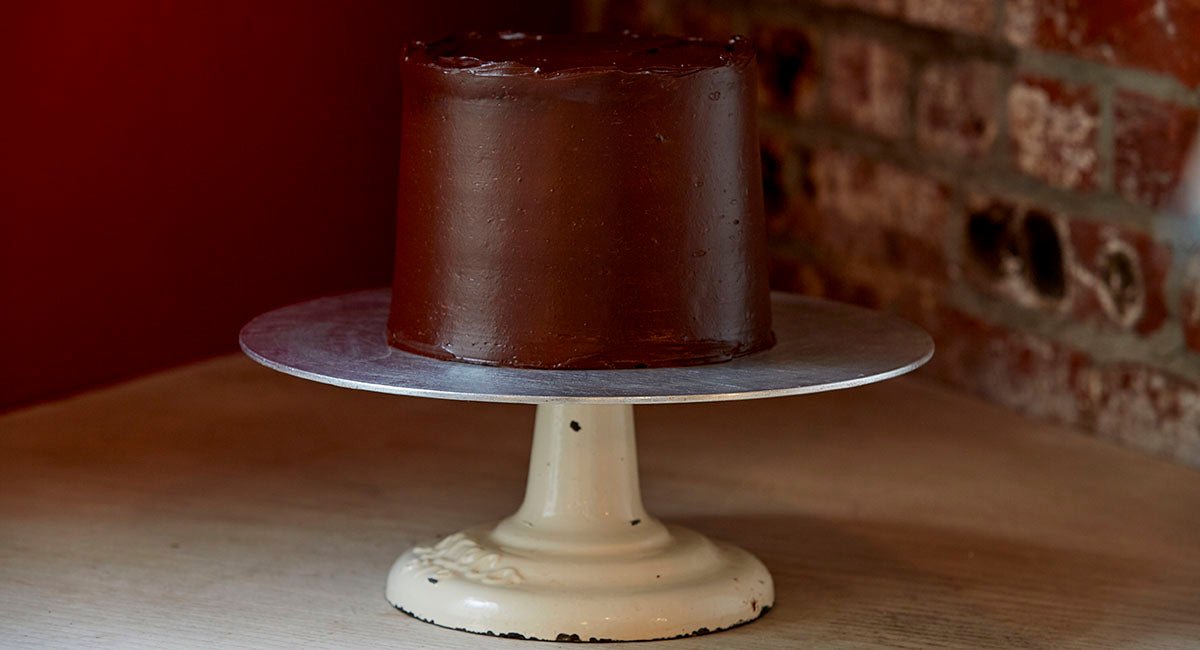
575, 638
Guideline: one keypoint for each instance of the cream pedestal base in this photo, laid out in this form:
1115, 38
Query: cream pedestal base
581, 560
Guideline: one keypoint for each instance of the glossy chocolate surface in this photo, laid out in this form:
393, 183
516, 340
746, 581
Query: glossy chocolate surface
551, 55
580, 202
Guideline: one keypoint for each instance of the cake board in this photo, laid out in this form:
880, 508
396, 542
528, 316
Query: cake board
581, 559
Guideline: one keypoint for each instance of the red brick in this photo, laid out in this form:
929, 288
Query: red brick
784, 275
808, 277
1156, 35
1012, 368
1189, 303
875, 214
882, 7
707, 21
788, 73
902, 293
1133, 404
1119, 276
853, 238
861, 190
1141, 407
967, 16
868, 85
956, 107
643, 16
1153, 139
1052, 131
778, 197
669, 17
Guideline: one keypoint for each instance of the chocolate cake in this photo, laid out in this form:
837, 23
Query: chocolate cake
585, 201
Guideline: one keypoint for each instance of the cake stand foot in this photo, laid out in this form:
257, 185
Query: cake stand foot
581, 560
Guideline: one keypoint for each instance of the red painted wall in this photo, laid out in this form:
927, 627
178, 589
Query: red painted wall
170, 169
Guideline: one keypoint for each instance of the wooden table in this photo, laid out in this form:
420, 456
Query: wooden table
223, 505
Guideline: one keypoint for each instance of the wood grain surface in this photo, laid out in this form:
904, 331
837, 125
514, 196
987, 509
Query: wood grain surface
223, 505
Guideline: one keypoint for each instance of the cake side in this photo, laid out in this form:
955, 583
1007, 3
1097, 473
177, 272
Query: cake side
587, 209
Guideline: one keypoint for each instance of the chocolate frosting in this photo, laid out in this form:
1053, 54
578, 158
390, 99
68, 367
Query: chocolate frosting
514, 53
577, 201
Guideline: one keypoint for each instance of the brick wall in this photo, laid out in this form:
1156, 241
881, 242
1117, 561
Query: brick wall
1004, 172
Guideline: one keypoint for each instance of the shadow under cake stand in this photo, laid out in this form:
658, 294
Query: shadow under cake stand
581, 559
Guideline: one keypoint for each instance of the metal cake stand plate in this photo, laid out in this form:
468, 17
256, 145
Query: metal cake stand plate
581, 559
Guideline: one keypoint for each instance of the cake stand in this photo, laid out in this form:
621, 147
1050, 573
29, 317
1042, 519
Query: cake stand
581, 559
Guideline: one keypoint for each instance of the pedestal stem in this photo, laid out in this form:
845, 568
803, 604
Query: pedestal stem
582, 495
581, 560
